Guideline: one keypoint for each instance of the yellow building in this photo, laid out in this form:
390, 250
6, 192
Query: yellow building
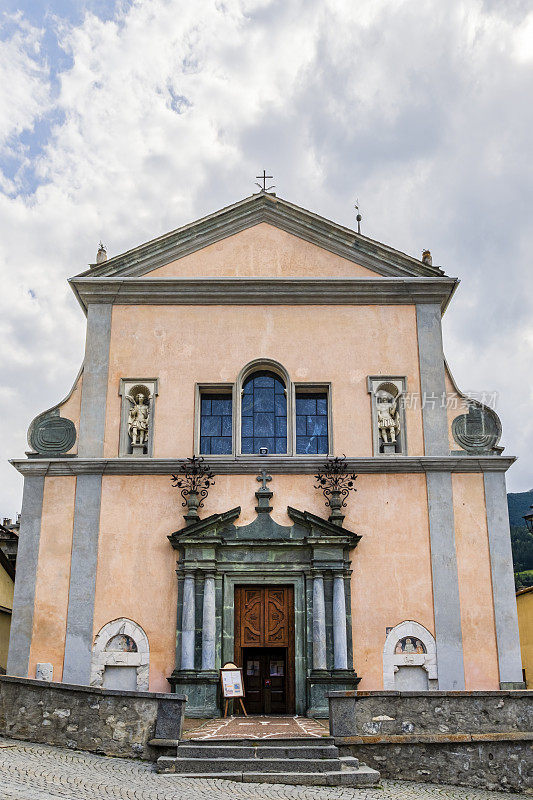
266, 339
7, 583
524, 604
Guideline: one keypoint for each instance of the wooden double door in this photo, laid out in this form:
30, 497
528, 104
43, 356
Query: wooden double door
264, 647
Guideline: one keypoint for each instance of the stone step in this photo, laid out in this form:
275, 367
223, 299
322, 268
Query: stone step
296, 761
188, 750
322, 741
362, 777
265, 765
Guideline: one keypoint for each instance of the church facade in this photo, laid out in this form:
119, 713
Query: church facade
265, 460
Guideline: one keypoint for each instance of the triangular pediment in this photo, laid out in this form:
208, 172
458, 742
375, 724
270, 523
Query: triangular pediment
357, 255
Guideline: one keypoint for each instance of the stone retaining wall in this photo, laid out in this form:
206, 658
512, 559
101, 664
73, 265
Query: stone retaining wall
480, 739
489, 763
374, 713
106, 721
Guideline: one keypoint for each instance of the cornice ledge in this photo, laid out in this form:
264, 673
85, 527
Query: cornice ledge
264, 291
243, 465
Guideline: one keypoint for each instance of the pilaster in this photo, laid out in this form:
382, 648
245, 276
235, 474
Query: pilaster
26, 576
79, 634
503, 590
446, 605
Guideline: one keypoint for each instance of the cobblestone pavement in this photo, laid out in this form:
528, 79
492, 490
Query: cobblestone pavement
258, 728
40, 772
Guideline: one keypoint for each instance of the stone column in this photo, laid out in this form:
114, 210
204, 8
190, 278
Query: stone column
340, 643
188, 623
208, 624
319, 624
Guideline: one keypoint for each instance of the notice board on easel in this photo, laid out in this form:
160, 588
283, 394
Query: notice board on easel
232, 682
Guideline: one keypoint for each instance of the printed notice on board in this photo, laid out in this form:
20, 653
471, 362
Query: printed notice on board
232, 683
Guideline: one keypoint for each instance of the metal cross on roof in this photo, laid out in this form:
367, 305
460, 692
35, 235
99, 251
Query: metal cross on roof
264, 177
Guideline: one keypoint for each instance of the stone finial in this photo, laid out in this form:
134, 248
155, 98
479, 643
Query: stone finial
101, 255
426, 257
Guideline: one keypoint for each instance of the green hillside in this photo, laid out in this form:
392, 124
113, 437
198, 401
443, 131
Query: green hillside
521, 540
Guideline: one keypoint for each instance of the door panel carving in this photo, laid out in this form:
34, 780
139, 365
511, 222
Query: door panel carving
277, 617
252, 617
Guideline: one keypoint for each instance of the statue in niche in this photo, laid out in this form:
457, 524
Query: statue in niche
388, 417
138, 417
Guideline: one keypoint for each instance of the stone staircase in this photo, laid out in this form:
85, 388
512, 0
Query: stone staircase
292, 761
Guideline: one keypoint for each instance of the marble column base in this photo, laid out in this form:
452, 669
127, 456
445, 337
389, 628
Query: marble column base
202, 690
321, 682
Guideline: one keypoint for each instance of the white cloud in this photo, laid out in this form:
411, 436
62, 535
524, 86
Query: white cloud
168, 111
24, 90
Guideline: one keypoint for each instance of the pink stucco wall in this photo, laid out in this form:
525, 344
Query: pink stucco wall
338, 344
262, 251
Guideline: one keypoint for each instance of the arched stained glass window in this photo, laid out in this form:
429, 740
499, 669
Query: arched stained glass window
264, 414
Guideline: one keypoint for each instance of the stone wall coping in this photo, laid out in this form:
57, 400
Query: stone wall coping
435, 693
437, 738
72, 687
281, 465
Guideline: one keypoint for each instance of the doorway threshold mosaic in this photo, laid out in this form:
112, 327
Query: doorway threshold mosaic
259, 728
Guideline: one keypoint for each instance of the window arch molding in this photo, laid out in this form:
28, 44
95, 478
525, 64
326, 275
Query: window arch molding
264, 365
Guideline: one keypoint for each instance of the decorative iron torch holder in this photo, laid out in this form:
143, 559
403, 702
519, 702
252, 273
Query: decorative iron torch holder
336, 483
194, 480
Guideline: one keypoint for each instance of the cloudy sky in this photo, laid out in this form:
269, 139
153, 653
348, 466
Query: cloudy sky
123, 120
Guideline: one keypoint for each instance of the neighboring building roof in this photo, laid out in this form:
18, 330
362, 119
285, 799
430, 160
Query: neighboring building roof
263, 207
524, 591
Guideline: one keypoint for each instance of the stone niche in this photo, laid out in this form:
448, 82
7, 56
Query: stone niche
121, 657
409, 658
387, 395
129, 390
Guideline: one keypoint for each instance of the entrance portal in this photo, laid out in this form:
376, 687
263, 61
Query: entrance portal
264, 647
